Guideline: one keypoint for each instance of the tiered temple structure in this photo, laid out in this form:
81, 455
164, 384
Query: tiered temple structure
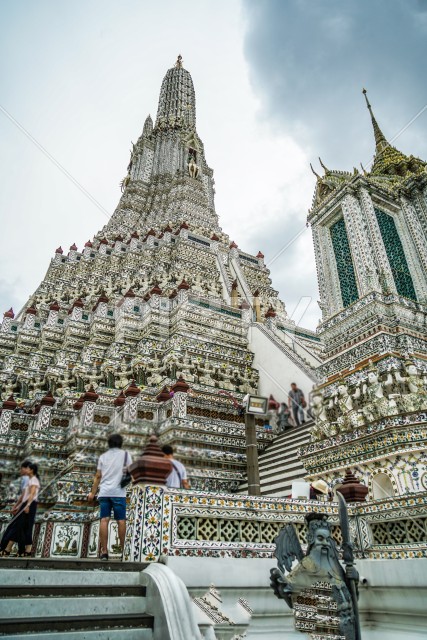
370, 239
161, 298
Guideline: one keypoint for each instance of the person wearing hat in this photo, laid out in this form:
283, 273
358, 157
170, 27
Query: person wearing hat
318, 488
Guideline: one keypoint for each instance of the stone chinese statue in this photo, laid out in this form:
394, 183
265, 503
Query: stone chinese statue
321, 592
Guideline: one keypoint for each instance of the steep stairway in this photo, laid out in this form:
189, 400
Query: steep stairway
72, 600
279, 464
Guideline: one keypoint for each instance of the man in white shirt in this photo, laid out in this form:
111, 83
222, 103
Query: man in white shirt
177, 479
111, 497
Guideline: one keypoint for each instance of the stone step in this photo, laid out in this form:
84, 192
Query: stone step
285, 473
283, 469
12, 575
295, 443
282, 484
279, 463
284, 479
55, 591
73, 600
275, 463
80, 564
36, 608
50, 626
121, 633
280, 452
291, 435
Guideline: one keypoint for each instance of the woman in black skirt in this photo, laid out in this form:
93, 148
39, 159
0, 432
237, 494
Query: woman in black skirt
21, 528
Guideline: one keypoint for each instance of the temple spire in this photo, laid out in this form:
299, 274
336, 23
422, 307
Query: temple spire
380, 139
177, 101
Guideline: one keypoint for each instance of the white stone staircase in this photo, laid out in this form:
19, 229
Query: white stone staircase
279, 464
70, 600
44, 599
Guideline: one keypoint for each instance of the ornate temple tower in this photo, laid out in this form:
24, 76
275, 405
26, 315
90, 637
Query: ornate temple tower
159, 298
370, 239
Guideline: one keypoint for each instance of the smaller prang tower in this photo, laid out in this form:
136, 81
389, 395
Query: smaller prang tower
370, 239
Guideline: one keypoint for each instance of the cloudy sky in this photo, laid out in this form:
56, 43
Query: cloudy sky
278, 83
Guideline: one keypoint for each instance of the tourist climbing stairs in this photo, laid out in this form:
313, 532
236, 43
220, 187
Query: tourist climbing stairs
72, 600
279, 463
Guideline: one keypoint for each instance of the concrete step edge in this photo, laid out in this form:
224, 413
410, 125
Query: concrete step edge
77, 622
129, 633
9, 591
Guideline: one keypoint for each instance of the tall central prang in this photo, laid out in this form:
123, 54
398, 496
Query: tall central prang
160, 298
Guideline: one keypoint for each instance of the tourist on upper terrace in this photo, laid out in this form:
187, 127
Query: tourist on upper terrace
20, 530
283, 416
111, 497
318, 490
177, 479
297, 403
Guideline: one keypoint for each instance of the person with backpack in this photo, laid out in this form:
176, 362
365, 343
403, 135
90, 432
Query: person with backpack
177, 479
112, 494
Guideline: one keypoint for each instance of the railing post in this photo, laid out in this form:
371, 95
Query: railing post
252, 456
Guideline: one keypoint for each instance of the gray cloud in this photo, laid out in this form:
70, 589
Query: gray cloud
309, 61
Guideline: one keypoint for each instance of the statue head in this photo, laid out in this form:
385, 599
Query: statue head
322, 548
317, 398
372, 376
411, 368
319, 532
322, 540
342, 388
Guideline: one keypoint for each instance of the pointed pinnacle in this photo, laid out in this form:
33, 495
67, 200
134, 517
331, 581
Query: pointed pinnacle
323, 166
316, 174
380, 139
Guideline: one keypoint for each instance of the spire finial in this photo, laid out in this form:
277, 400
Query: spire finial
380, 139
178, 63
316, 174
323, 166
365, 93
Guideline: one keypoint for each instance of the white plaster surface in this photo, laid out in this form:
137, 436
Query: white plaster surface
393, 602
169, 602
276, 370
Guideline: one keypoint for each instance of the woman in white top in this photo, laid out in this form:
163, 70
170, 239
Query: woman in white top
8, 532
22, 532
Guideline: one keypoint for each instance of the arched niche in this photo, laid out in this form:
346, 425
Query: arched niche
382, 486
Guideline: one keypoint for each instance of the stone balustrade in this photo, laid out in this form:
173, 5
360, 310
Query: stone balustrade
166, 522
